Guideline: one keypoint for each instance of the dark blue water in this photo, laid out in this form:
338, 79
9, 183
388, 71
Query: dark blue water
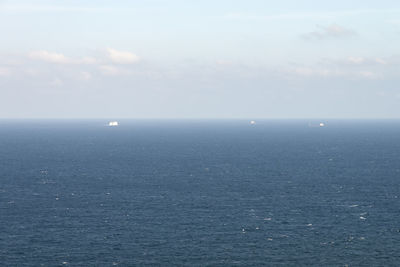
198, 193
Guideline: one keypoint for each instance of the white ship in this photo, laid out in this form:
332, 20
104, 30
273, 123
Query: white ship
319, 124
113, 123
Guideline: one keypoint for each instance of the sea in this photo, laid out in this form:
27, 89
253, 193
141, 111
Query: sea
200, 193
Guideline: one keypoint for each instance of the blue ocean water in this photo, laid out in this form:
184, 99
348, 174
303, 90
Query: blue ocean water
199, 193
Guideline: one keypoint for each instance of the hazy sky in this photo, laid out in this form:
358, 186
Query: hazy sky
200, 59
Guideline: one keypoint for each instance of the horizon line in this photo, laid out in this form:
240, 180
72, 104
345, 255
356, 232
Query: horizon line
196, 118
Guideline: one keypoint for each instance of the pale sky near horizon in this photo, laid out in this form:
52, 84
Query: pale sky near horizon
200, 59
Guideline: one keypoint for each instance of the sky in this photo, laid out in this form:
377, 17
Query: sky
200, 59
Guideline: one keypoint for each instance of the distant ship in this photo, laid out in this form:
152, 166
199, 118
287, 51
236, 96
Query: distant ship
113, 123
320, 124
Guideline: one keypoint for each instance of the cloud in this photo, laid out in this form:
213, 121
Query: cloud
56, 82
318, 72
109, 70
50, 57
122, 57
87, 60
333, 31
115, 70
224, 62
314, 72
86, 76
59, 58
4, 71
113, 55
358, 61
369, 74
364, 61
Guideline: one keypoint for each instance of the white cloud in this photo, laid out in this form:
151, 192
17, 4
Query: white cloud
309, 72
369, 75
44, 55
356, 60
4, 71
86, 76
122, 57
56, 82
333, 31
363, 60
109, 70
87, 60
32, 72
380, 61
224, 62
315, 72
59, 58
